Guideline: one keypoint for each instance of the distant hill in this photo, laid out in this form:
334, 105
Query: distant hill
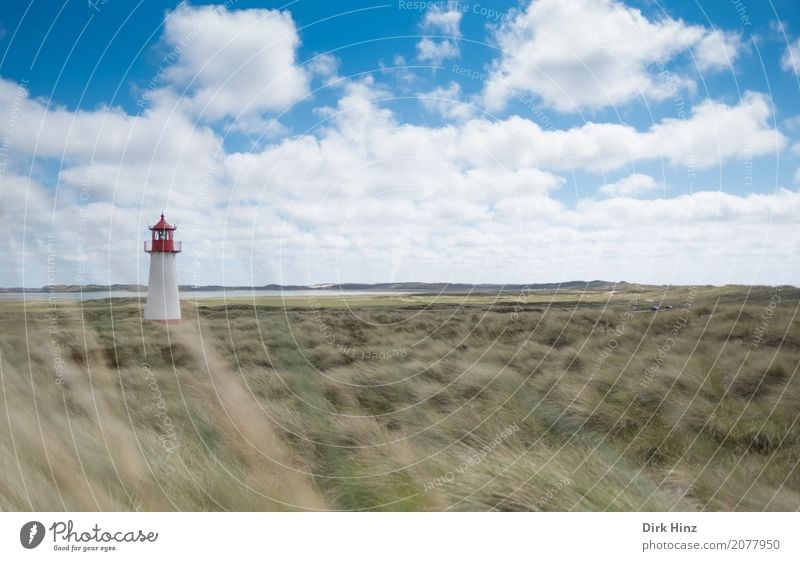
464, 287
387, 286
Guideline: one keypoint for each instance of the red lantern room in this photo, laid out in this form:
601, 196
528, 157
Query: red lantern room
162, 238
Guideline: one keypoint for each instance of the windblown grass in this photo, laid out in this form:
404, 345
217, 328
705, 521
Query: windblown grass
461, 402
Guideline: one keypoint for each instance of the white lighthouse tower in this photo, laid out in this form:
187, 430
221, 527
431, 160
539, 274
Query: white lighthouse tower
162, 291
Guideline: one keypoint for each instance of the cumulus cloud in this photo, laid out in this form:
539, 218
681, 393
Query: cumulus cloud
436, 52
595, 53
404, 76
325, 65
160, 155
446, 21
440, 22
790, 61
56, 239
710, 135
716, 132
447, 102
474, 198
718, 50
231, 62
630, 186
695, 209
160, 134
366, 195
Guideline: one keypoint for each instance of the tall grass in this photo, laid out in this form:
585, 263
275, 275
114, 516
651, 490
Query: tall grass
465, 403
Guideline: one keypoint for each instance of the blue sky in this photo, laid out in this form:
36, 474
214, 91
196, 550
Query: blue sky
314, 142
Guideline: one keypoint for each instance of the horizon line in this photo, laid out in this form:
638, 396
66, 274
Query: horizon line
96, 287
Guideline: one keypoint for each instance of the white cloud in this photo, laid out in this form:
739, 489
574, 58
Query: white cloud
447, 22
444, 22
716, 132
259, 126
369, 198
718, 50
60, 239
790, 61
711, 135
159, 156
233, 62
695, 209
595, 53
447, 102
474, 198
165, 142
108, 133
405, 77
792, 123
357, 106
325, 65
436, 52
630, 186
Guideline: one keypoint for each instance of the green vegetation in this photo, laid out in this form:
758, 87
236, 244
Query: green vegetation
541, 401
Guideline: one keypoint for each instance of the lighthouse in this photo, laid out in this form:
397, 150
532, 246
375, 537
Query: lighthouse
162, 291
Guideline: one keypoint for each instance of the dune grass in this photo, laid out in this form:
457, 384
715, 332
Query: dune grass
568, 401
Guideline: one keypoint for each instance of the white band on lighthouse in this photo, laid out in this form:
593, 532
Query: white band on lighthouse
163, 302
162, 289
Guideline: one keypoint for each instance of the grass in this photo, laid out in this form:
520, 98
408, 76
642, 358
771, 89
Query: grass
541, 401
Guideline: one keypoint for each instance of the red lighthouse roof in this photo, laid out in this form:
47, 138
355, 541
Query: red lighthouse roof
162, 238
162, 225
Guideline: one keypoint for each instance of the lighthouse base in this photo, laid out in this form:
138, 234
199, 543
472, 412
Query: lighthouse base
163, 303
